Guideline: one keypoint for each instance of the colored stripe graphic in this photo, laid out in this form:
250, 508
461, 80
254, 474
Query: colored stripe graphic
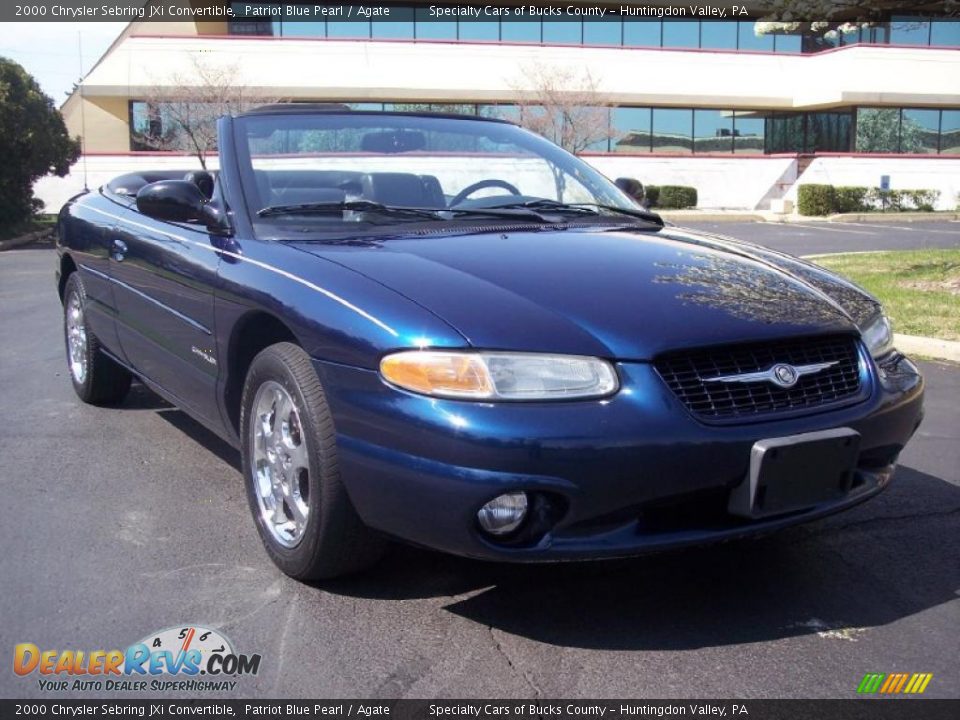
894, 683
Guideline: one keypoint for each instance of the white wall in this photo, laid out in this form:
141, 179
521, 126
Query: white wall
937, 173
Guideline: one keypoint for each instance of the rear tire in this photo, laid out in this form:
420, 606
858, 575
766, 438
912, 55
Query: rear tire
96, 378
305, 519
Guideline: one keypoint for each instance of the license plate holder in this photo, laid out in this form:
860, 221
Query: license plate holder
796, 472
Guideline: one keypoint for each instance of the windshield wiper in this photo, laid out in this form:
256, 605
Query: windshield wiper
333, 208
584, 209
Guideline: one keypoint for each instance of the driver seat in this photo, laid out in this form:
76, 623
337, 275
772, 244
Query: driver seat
404, 189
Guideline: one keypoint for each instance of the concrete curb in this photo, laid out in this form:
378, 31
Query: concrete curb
928, 347
24, 239
895, 217
682, 216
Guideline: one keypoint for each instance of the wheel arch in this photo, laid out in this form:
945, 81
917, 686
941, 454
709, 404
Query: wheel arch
253, 332
67, 268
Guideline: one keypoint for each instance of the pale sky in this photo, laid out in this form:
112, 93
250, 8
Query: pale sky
50, 51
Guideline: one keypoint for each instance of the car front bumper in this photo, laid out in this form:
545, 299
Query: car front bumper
620, 476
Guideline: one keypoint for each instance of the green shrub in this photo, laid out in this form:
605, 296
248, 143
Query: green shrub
850, 198
923, 199
903, 200
816, 199
652, 194
677, 197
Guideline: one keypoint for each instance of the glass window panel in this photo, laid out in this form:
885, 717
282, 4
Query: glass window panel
632, 130
950, 132
520, 31
720, 35
681, 34
366, 106
344, 29
400, 25
642, 33
787, 43
712, 131
602, 32
304, 29
909, 31
784, 133
429, 29
748, 133
672, 131
749, 40
918, 131
828, 132
945, 33
878, 130
562, 33
481, 30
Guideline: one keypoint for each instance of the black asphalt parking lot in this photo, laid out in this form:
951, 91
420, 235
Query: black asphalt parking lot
119, 522
813, 237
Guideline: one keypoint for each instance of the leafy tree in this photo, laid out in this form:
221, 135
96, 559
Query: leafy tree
33, 142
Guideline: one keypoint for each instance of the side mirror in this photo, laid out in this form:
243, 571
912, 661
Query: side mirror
179, 201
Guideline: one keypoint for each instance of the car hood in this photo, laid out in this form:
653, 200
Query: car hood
613, 293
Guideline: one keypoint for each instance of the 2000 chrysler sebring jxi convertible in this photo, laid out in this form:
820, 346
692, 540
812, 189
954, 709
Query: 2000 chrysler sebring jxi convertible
447, 330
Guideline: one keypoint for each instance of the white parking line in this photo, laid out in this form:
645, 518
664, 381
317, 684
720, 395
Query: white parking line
904, 227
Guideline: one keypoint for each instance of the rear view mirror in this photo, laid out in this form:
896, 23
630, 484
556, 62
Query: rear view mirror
631, 187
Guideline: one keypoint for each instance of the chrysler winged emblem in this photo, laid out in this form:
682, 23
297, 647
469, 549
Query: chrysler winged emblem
781, 374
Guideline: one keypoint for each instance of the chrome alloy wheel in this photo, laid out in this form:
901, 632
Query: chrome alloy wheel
280, 464
76, 338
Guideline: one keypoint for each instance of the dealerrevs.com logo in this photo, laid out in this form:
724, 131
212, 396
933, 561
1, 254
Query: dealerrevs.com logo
191, 658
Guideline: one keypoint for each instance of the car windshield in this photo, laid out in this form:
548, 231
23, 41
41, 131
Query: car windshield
330, 171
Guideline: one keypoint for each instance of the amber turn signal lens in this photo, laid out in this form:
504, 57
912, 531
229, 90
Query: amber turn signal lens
439, 373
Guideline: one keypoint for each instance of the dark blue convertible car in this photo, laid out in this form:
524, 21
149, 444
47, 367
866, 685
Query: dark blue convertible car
447, 330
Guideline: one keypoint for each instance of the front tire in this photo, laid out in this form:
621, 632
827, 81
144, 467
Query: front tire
96, 378
303, 514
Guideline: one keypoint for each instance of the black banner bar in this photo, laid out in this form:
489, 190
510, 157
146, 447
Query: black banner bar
874, 709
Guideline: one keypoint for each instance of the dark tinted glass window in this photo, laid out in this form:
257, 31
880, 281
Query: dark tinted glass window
562, 33
785, 133
720, 35
681, 34
433, 29
712, 131
642, 33
950, 132
672, 130
828, 132
748, 133
632, 128
749, 40
919, 130
878, 130
602, 32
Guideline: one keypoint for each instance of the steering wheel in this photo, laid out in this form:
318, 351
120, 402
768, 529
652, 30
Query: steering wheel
471, 189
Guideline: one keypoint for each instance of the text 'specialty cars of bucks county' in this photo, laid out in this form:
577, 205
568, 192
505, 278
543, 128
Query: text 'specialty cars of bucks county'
448, 331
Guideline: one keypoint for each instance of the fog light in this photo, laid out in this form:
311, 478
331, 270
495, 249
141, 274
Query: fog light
504, 513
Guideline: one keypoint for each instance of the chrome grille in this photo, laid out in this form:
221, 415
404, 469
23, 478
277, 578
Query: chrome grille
685, 373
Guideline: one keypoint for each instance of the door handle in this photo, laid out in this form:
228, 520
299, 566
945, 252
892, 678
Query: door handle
118, 250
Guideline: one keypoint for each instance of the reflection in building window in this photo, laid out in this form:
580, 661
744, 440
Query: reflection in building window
719, 35
632, 130
828, 132
672, 130
919, 130
643, 33
748, 129
479, 30
909, 31
950, 132
304, 29
525, 31
945, 33
603, 32
428, 29
681, 34
712, 131
785, 133
562, 33
344, 29
878, 130
749, 40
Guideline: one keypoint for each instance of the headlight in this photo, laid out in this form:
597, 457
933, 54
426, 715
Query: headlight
878, 335
499, 376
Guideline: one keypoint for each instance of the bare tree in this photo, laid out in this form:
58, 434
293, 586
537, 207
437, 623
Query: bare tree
183, 110
564, 105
